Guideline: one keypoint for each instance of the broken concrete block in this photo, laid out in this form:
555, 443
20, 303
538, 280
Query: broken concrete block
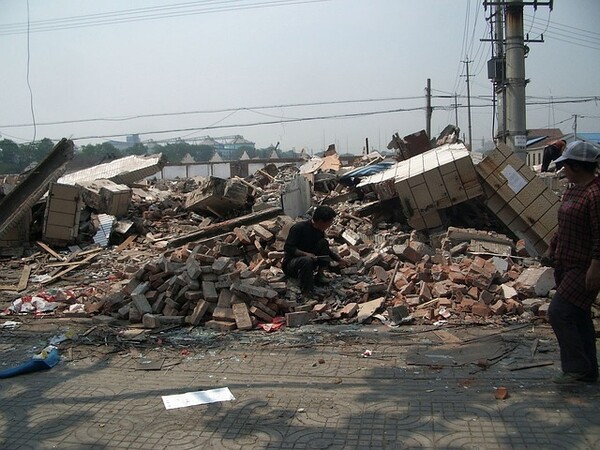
481, 309
351, 237
218, 325
366, 310
397, 313
199, 312
508, 291
498, 308
349, 310
536, 280
106, 196
209, 291
150, 321
297, 319
242, 316
141, 303
407, 253
260, 314
223, 314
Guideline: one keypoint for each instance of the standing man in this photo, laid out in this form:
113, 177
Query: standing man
575, 250
551, 153
307, 251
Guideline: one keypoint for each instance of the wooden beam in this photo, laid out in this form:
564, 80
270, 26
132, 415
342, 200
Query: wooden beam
24, 278
49, 250
126, 243
67, 270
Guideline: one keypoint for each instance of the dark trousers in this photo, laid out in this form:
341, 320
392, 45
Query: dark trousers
303, 267
576, 337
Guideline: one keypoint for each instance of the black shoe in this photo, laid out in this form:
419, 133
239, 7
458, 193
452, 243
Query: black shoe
571, 378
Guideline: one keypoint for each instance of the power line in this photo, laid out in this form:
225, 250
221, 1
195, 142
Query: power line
274, 122
213, 111
255, 109
571, 29
143, 14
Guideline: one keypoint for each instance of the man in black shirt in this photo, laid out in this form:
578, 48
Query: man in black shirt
307, 250
551, 153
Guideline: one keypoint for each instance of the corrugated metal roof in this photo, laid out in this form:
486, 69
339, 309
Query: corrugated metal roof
103, 234
590, 137
535, 140
366, 171
122, 171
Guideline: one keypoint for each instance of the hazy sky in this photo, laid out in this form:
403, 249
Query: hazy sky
188, 66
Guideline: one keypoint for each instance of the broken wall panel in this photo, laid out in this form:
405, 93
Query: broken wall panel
434, 182
219, 196
63, 210
15, 236
439, 178
106, 197
19, 201
297, 197
126, 170
520, 199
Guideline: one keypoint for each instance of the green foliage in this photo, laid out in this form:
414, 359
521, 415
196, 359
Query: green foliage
203, 152
9, 154
41, 149
102, 152
137, 149
175, 152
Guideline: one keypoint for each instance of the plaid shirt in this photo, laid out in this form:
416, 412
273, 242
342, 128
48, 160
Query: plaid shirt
577, 242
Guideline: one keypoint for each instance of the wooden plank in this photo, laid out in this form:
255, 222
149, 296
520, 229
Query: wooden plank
531, 365
24, 278
49, 250
67, 270
126, 243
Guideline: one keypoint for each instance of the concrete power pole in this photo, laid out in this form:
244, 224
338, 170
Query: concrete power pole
499, 83
516, 128
429, 110
467, 62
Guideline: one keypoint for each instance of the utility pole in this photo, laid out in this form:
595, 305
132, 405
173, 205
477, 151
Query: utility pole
575, 126
455, 105
499, 77
467, 62
429, 110
507, 69
516, 129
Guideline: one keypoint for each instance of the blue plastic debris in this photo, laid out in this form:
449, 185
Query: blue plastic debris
48, 358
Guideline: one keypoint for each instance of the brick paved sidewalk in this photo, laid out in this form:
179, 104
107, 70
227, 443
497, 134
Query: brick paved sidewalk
324, 394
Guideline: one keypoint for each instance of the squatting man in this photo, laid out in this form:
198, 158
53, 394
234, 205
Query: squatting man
307, 253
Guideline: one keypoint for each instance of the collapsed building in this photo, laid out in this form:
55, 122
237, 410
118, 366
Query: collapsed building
435, 234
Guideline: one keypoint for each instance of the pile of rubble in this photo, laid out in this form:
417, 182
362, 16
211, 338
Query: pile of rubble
207, 251
238, 283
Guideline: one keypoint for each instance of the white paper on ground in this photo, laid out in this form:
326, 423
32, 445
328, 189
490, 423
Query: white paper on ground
197, 398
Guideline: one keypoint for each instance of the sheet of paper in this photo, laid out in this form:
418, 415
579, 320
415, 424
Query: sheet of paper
197, 398
515, 180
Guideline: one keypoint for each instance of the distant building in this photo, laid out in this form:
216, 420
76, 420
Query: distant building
540, 138
130, 141
226, 146
537, 140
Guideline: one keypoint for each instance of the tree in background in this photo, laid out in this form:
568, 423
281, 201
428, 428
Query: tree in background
203, 152
137, 149
175, 152
41, 149
9, 156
